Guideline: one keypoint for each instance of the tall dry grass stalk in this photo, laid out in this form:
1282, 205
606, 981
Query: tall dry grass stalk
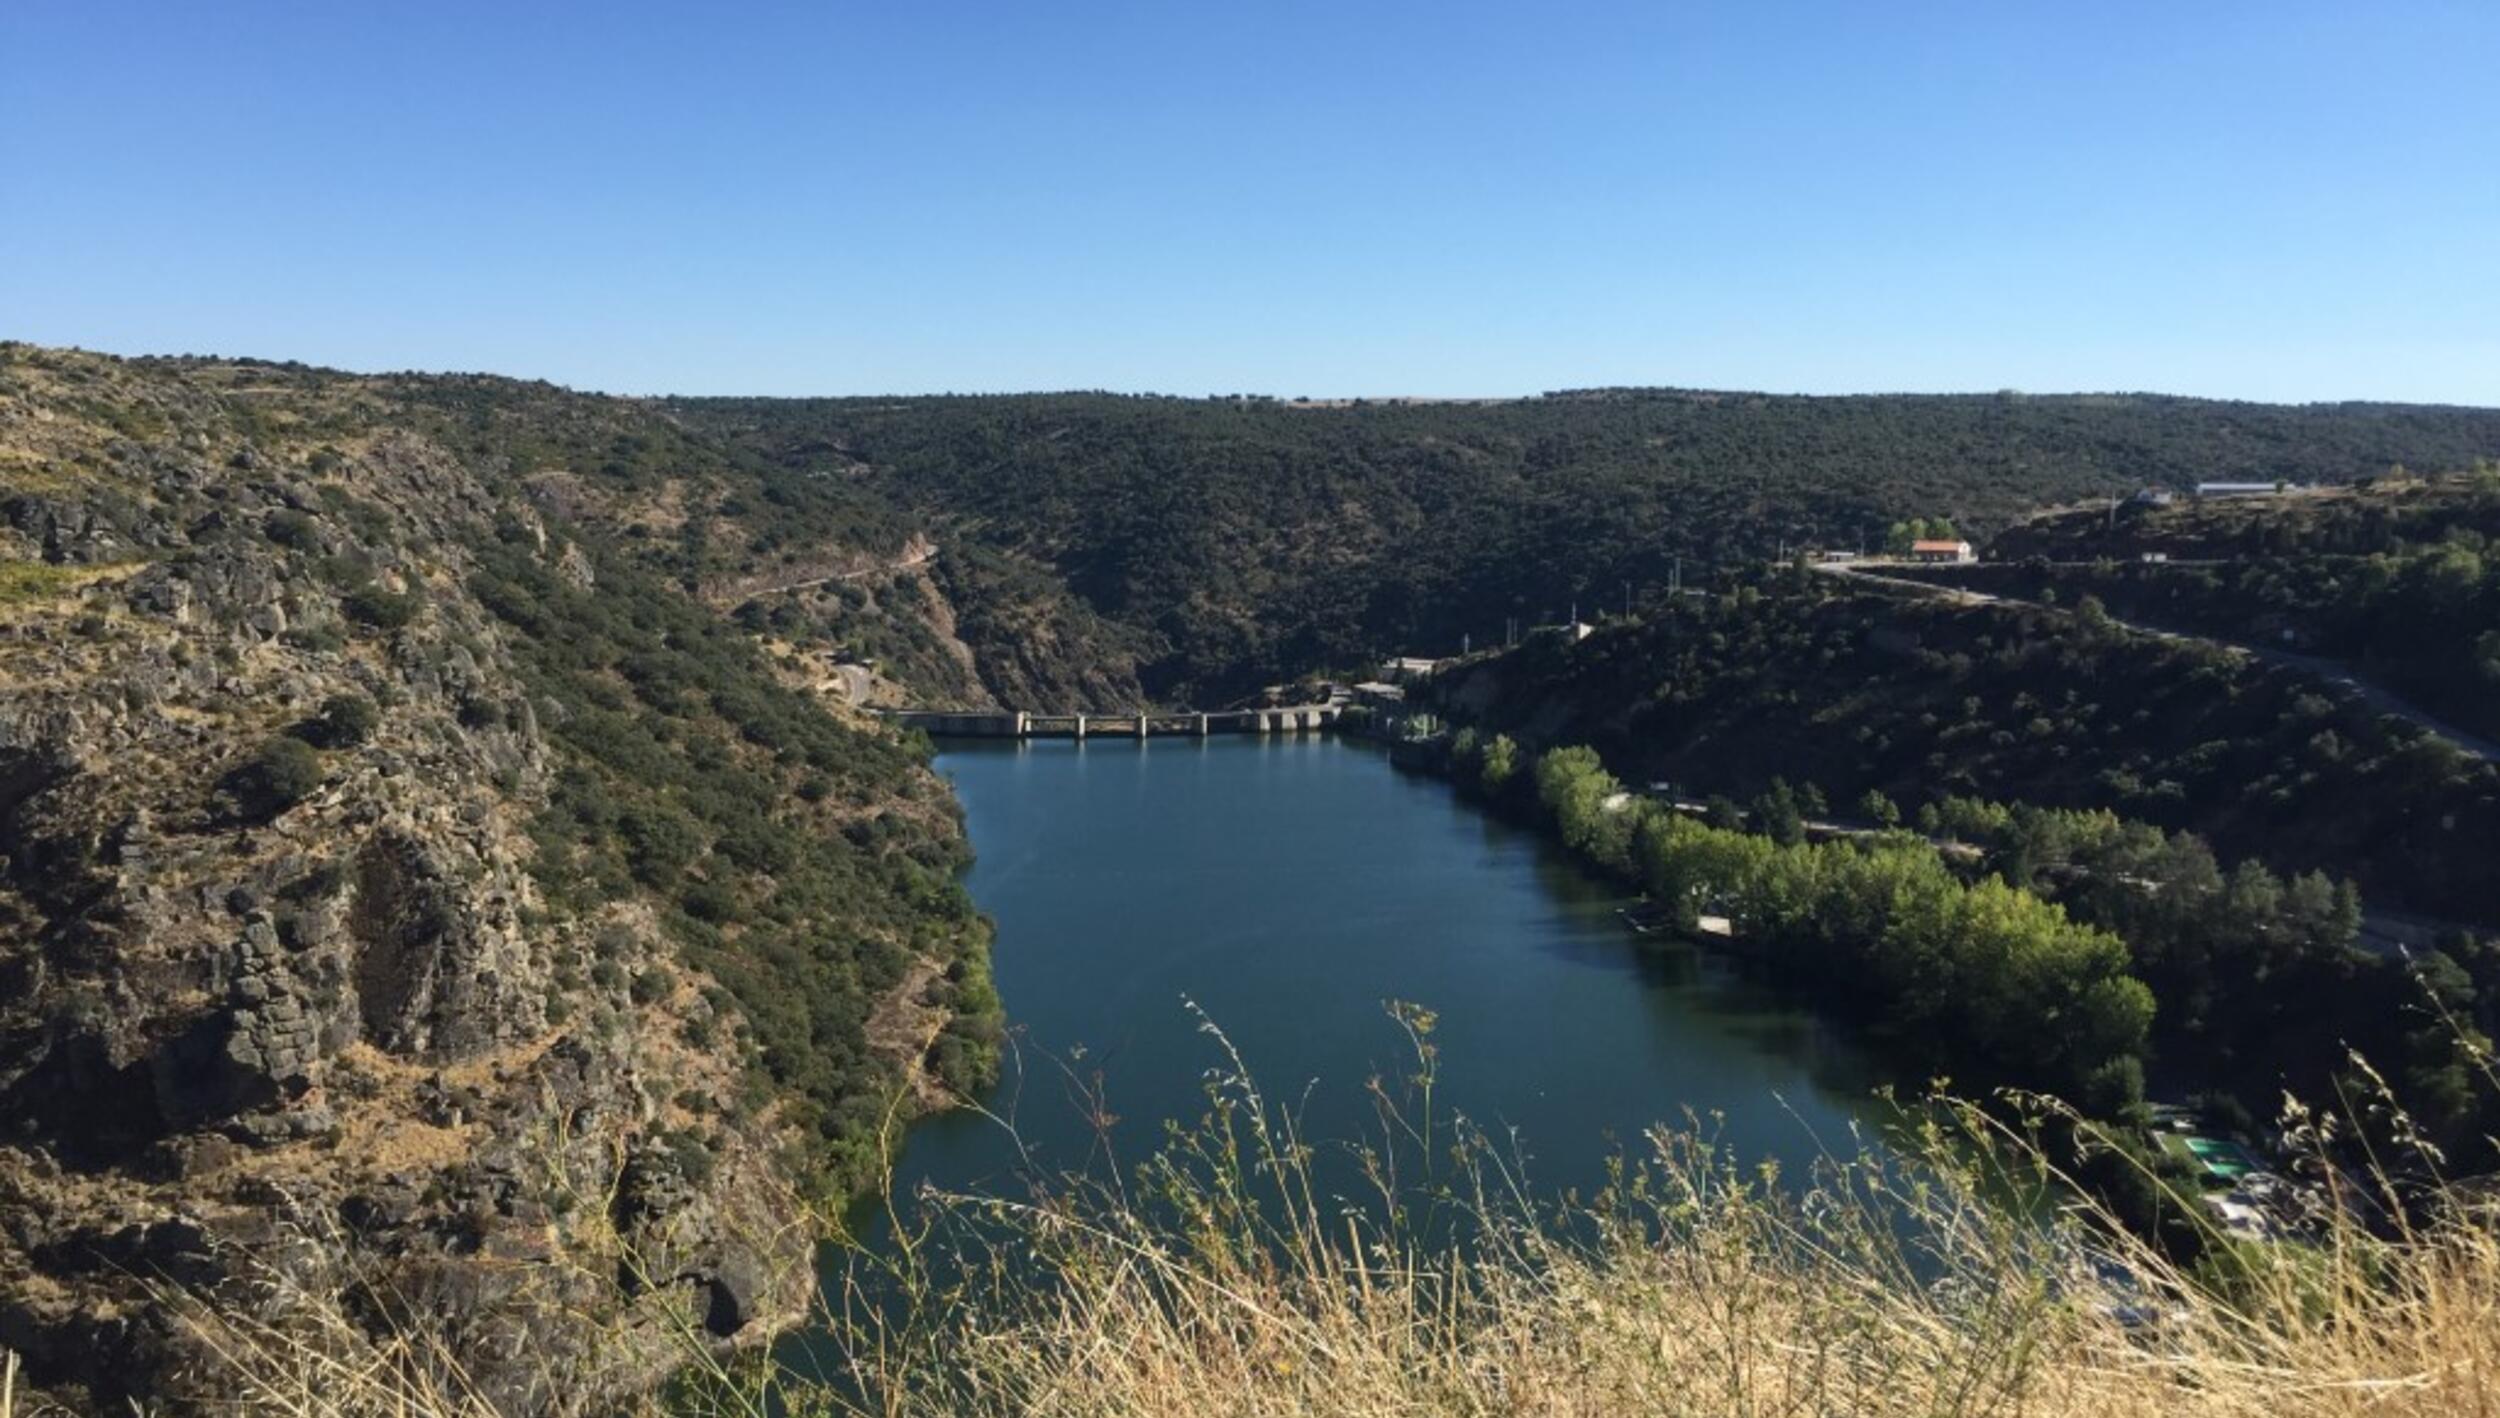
1955, 1274
1244, 1271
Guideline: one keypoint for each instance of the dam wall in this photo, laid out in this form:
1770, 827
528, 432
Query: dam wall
1019, 724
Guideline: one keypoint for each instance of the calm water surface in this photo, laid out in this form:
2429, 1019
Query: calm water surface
1288, 887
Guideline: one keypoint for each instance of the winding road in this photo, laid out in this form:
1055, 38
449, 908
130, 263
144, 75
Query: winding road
2377, 696
918, 554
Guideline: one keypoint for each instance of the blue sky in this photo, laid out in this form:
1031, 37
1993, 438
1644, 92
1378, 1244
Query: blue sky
2279, 200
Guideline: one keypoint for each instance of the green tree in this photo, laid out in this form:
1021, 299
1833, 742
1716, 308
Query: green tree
1778, 816
1582, 799
1499, 766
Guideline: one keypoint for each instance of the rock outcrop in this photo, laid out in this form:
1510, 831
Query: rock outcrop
291, 1041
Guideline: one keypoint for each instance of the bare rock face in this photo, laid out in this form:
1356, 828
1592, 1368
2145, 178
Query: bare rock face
276, 1033
431, 969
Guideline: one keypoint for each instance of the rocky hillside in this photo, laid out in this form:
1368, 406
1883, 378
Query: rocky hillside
418, 888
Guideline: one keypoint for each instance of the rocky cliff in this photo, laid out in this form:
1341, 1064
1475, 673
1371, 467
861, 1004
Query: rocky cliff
332, 1010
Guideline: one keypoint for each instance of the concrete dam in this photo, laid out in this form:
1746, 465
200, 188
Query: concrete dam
1303, 718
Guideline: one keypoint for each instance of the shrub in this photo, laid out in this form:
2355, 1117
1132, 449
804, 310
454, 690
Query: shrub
290, 528
710, 901
345, 721
659, 842
373, 607
692, 1156
280, 774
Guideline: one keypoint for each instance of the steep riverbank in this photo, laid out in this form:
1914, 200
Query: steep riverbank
428, 934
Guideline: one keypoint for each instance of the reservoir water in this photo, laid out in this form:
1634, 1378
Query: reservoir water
1288, 887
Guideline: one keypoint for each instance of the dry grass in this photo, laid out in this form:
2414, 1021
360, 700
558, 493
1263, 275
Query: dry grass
1940, 1279
28, 585
1244, 1271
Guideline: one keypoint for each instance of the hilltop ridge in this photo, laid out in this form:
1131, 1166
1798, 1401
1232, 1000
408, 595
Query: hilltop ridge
1234, 542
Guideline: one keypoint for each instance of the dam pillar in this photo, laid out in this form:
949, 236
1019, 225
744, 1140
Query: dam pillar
1141, 723
1202, 726
1024, 724
1080, 726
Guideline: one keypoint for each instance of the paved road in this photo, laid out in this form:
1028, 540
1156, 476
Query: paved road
2378, 697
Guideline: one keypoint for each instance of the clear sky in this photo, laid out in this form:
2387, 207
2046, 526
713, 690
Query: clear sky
2276, 199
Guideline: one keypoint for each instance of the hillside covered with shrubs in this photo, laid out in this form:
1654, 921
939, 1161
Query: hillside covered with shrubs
1792, 675
1241, 541
2399, 581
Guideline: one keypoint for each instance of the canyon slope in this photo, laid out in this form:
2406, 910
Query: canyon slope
416, 895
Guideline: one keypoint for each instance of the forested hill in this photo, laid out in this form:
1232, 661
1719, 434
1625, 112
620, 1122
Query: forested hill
1851, 688
1248, 539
